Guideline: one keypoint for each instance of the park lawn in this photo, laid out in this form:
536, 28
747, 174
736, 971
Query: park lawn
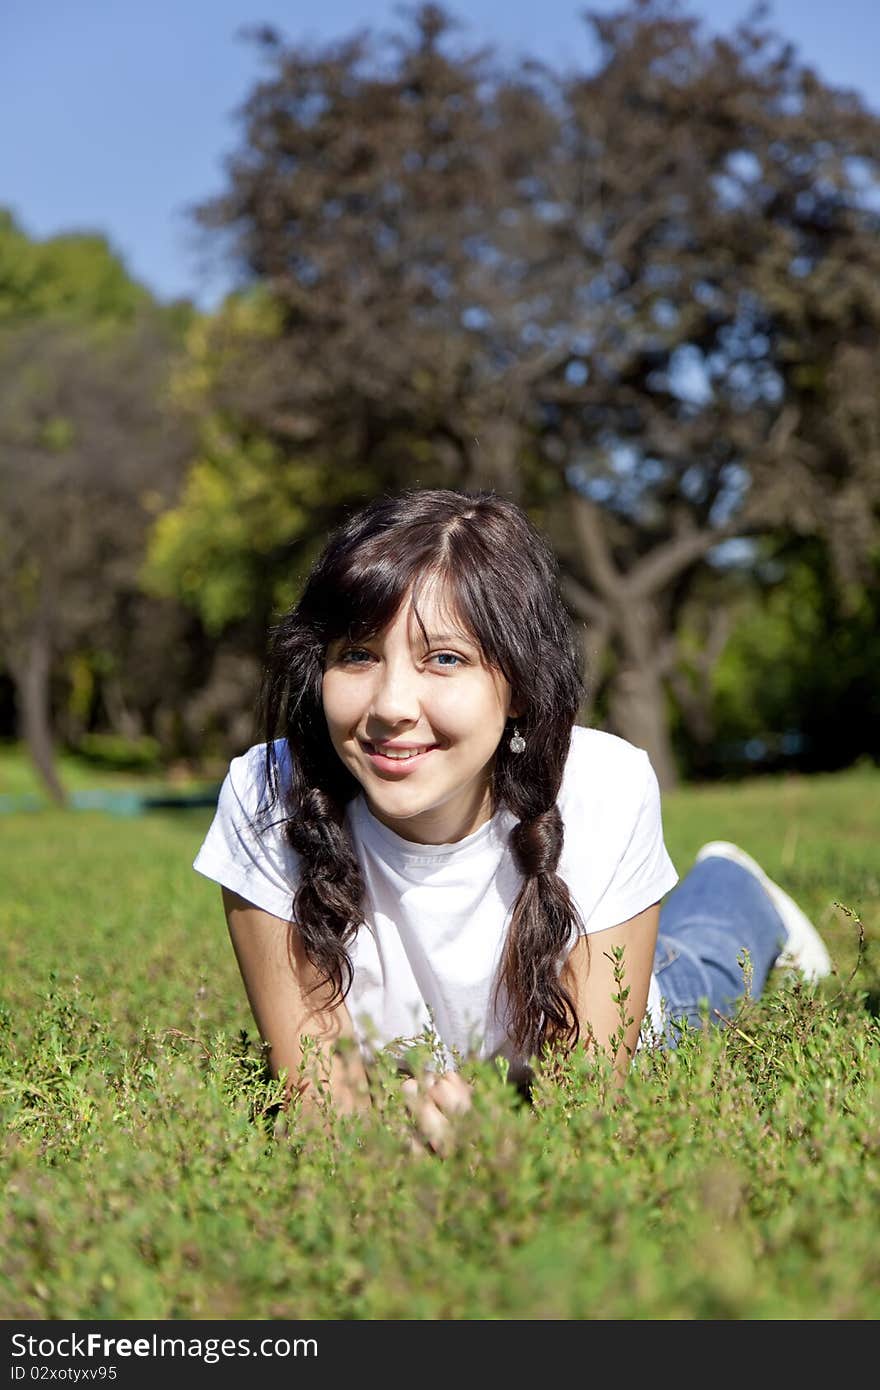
739, 1178
22, 788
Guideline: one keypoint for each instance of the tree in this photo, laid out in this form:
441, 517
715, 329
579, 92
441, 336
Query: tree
87, 455
377, 340
74, 276
644, 300
799, 681
725, 200
250, 508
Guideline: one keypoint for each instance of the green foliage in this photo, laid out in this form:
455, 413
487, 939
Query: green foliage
115, 751
75, 276
249, 503
241, 502
804, 656
653, 279
145, 1175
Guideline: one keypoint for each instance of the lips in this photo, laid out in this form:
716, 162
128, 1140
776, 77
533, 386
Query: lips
416, 755
397, 747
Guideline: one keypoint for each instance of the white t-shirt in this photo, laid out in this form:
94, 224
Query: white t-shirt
426, 957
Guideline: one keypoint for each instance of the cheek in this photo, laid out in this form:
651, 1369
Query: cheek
337, 702
477, 711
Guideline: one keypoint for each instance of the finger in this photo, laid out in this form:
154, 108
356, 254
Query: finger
409, 1089
451, 1094
432, 1125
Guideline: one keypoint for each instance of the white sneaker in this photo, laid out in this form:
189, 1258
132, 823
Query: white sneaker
804, 950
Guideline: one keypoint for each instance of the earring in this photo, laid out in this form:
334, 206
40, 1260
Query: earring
517, 743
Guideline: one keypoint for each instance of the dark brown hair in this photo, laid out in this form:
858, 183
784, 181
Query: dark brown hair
500, 576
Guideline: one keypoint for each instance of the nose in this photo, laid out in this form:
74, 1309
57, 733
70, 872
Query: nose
395, 697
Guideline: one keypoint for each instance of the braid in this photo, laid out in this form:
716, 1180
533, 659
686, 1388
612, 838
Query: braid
538, 1008
537, 843
501, 580
317, 836
538, 1005
327, 905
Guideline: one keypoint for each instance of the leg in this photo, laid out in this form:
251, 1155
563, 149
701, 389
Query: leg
718, 911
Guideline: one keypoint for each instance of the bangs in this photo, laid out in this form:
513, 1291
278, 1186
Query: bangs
491, 574
363, 601
364, 596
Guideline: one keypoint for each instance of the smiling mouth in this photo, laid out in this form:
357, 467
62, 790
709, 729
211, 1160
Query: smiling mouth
396, 755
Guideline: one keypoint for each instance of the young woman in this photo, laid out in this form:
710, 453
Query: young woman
427, 844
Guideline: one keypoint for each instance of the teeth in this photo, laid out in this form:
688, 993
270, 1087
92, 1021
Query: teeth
402, 756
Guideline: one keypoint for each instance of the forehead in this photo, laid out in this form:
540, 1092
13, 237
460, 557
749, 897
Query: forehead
428, 610
435, 605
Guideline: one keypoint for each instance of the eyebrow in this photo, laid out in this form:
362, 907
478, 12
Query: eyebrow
432, 637
452, 637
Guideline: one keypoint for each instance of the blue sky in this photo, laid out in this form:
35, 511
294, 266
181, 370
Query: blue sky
116, 116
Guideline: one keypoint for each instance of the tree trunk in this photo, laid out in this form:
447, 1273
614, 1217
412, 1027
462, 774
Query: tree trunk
637, 698
691, 684
638, 694
123, 721
627, 604
637, 704
30, 674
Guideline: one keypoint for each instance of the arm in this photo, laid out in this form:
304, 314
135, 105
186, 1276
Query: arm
284, 1010
589, 978
588, 975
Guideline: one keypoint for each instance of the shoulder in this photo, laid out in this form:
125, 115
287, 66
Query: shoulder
246, 847
598, 760
608, 786
256, 778
613, 858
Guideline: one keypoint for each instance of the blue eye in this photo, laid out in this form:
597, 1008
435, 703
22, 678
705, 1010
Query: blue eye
351, 656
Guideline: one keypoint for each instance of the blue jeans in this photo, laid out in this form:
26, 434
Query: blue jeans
714, 914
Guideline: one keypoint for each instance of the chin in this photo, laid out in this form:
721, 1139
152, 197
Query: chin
400, 806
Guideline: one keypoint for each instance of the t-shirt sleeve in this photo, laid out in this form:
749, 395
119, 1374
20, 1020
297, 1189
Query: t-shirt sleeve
616, 861
644, 871
245, 849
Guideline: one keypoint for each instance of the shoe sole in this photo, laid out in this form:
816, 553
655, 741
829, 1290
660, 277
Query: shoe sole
804, 949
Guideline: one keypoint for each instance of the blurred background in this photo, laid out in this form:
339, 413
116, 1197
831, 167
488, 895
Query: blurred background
261, 262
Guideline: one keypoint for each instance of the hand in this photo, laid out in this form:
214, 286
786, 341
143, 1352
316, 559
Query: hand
434, 1101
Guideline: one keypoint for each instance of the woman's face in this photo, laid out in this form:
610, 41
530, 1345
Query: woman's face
436, 704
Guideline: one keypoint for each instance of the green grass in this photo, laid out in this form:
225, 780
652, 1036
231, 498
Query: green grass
738, 1179
18, 778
